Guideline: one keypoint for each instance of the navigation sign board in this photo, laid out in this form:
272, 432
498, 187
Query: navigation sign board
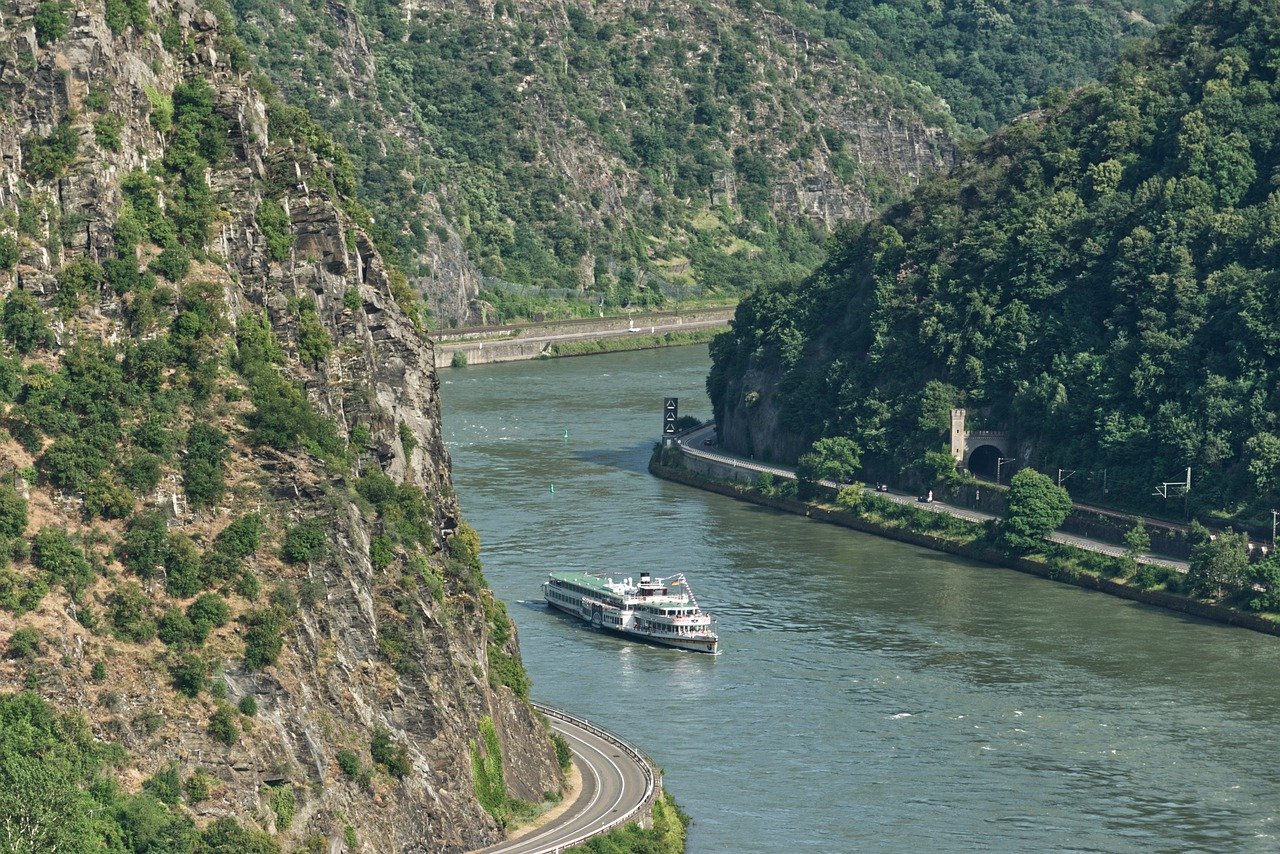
670, 415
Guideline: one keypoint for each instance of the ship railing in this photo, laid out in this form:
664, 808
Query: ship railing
652, 777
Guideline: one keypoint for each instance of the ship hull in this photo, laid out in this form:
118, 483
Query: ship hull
709, 647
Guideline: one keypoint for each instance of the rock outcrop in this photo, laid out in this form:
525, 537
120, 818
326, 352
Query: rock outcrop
401, 645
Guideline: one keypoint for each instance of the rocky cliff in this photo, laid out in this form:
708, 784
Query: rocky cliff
240, 551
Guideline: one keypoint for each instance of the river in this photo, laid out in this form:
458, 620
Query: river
871, 695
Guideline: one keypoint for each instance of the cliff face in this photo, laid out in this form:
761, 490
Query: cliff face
131, 139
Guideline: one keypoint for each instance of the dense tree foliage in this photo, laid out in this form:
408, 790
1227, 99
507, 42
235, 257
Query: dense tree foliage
1035, 506
1099, 279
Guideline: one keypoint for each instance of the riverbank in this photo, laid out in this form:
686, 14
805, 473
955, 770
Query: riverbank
665, 835
487, 345
1058, 562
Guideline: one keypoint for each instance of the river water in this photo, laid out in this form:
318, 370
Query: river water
870, 695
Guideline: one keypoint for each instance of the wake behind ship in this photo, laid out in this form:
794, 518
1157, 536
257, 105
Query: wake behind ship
659, 610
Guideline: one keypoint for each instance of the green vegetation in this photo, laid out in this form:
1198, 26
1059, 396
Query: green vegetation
52, 21
670, 823
486, 772
57, 794
1074, 283
224, 728
48, 157
835, 458
1036, 506
394, 758
284, 804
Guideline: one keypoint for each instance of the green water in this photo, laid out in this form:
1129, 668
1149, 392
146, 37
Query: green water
871, 696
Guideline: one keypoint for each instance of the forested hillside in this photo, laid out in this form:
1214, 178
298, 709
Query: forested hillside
239, 610
652, 153
1099, 279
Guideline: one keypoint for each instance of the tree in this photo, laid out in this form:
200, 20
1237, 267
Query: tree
1035, 507
1137, 541
1218, 562
835, 458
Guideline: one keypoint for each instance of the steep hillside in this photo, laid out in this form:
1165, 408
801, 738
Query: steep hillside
642, 153
229, 536
1100, 279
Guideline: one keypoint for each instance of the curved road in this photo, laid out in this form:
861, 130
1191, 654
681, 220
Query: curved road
616, 782
691, 443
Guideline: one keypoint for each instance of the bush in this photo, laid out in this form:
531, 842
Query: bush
241, 538
198, 787
184, 570
275, 226
8, 252
303, 542
13, 512
51, 21
263, 641
388, 754
129, 611
381, 553
203, 466
1035, 507
207, 613
459, 359
248, 706
174, 629
173, 262
99, 671
24, 643
24, 323
62, 560
166, 785
224, 728
285, 805
349, 763
190, 675
46, 158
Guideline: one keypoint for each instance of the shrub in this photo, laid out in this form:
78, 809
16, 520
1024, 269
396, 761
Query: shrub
241, 538
173, 262
62, 560
198, 787
203, 466
459, 359
391, 756
303, 542
381, 553
285, 805
223, 727
25, 643
99, 671
13, 512
263, 640
564, 755
8, 252
349, 763
46, 158
141, 471
166, 785
174, 629
248, 706
51, 21
106, 131
275, 226
207, 613
128, 610
190, 674
24, 323
184, 571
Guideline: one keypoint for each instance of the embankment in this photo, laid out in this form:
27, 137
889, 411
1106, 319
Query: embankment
736, 484
483, 345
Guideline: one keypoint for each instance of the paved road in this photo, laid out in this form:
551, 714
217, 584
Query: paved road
692, 443
616, 782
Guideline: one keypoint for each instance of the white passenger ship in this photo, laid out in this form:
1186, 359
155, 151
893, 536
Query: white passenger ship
661, 610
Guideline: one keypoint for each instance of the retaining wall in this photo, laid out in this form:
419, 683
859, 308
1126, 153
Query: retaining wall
1161, 599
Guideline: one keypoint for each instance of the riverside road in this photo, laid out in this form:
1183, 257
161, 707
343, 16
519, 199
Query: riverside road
616, 783
691, 443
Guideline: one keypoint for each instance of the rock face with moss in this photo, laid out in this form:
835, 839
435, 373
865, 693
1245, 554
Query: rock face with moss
229, 534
